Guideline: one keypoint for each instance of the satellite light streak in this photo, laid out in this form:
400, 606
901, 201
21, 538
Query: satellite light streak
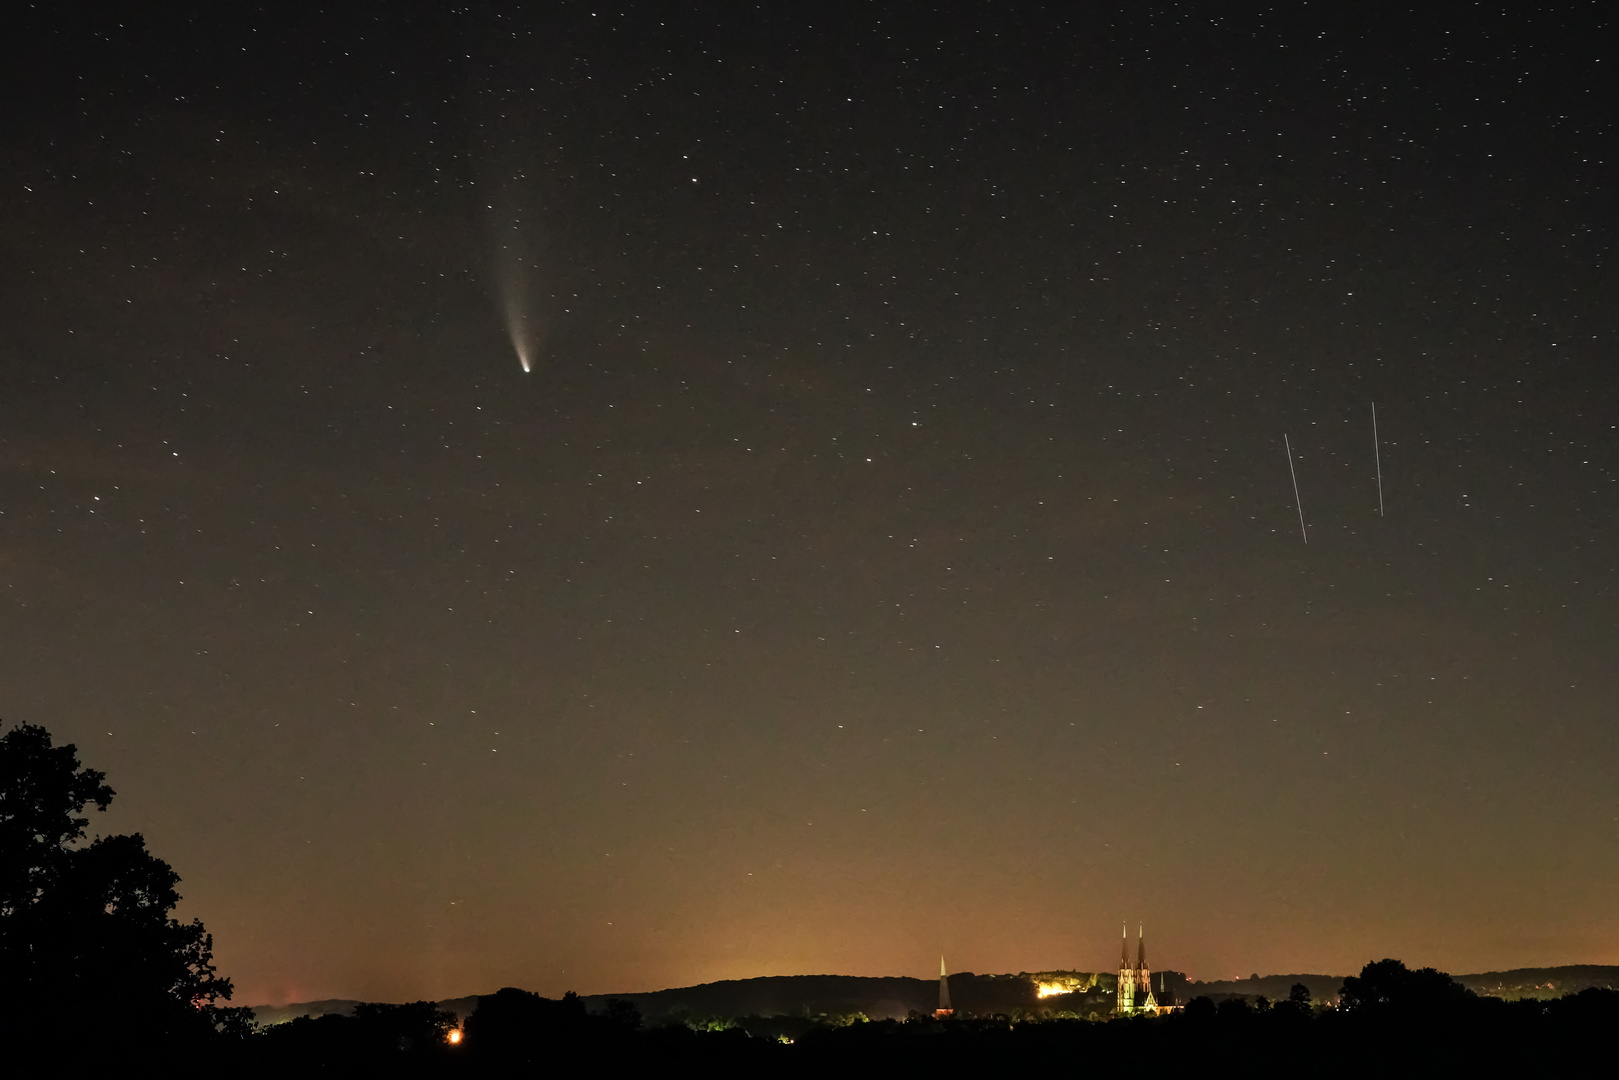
1297, 501
1377, 456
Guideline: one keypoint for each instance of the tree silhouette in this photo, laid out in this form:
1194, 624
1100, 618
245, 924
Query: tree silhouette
86, 937
42, 792
1297, 1004
1388, 987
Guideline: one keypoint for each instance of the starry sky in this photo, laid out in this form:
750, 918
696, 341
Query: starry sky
892, 549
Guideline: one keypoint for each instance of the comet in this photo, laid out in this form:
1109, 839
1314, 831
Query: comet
517, 267
514, 283
517, 329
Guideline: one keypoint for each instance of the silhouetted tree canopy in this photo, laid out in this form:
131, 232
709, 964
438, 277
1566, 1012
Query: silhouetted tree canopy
412, 1037
414, 1025
1200, 1010
42, 792
622, 1015
1389, 987
517, 1025
517, 1033
86, 938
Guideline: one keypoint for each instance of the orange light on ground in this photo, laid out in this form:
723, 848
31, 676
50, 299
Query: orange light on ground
1053, 985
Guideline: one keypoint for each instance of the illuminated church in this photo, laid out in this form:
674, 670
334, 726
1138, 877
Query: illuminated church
1135, 982
944, 1011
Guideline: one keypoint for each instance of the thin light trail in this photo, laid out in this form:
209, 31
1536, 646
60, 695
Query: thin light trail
1296, 500
1377, 456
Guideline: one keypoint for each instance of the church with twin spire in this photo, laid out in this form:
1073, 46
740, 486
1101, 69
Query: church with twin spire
1135, 996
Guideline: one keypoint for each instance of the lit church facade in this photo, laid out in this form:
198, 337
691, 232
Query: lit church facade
1135, 996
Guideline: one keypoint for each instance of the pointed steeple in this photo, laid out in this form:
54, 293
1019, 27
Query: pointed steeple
944, 1009
1141, 947
1127, 977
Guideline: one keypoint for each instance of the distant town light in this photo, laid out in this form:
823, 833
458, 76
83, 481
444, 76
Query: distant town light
454, 1037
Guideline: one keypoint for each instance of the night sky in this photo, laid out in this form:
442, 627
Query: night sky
892, 550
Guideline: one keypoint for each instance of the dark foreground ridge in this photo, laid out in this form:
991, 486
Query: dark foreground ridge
1388, 1021
897, 997
849, 997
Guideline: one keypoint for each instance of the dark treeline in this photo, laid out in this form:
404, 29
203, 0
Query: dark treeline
97, 978
894, 996
1389, 1021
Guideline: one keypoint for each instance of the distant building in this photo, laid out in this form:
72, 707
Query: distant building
944, 1010
1135, 981
1166, 998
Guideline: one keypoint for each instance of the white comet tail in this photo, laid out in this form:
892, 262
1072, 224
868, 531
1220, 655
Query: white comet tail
517, 329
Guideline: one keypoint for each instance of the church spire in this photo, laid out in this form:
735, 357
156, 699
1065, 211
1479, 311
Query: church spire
944, 1008
1135, 996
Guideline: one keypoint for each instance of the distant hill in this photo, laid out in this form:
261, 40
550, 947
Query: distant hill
787, 995
1542, 983
898, 996
823, 996
883, 998
1274, 987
